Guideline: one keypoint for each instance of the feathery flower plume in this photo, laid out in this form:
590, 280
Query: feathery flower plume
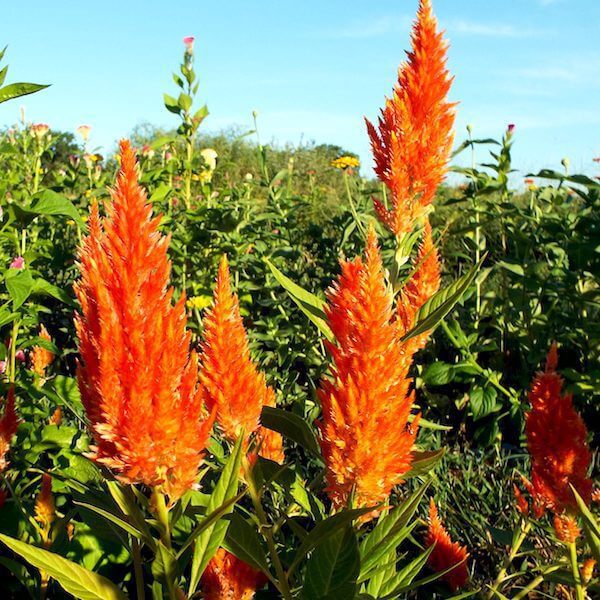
235, 388
566, 528
57, 416
366, 438
556, 438
8, 426
446, 552
41, 358
45, 511
228, 578
138, 380
412, 143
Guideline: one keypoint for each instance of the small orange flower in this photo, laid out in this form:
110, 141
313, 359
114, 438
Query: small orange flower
270, 445
446, 552
556, 438
235, 388
412, 143
366, 437
228, 578
522, 504
137, 377
8, 426
587, 570
42, 358
56, 418
45, 511
566, 528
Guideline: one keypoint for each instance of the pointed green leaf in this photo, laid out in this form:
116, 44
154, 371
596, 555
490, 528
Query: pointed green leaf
83, 584
15, 90
291, 426
243, 540
309, 304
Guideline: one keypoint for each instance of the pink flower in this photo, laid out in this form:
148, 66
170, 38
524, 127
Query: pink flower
189, 43
39, 130
20, 356
17, 263
511, 127
2, 367
84, 131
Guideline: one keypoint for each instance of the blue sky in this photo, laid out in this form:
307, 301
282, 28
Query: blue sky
311, 69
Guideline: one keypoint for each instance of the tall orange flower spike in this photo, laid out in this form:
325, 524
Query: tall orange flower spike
446, 552
228, 578
235, 387
366, 438
138, 379
41, 358
413, 140
8, 426
45, 511
556, 438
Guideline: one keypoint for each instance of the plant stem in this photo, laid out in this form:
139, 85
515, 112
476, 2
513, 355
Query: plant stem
579, 594
283, 587
352, 206
137, 567
525, 527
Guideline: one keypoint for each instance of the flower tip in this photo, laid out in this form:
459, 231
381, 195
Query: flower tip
552, 358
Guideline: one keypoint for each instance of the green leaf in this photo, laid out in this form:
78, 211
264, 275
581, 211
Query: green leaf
438, 373
441, 303
212, 537
50, 203
333, 567
424, 461
112, 518
185, 101
19, 284
309, 304
171, 104
324, 529
390, 531
590, 525
76, 580
514, 268
41, 286
3, 74
290, 426
164, 565
243, 540
405, 576
15, 90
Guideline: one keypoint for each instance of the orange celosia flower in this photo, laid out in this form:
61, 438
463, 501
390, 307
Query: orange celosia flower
522, 504
412, 143
56, 418
587, 570
235, 387
366, 438
45, 511
556, 438
446, 552
228, 578
41, 358
138, 379
566, 528
8, 426
270, 445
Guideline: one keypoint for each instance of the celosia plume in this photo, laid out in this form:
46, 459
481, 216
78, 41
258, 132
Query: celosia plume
446, 552
235, 388
42, 358
45, 511
566, 528
8, 426
412, 143
138, 379
228, 578
556, 439
366, 437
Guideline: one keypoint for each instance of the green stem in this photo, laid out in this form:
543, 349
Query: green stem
352, 206
266, 530
137, 567
162, 514
579, 593
189, 142
13, 350
525, 527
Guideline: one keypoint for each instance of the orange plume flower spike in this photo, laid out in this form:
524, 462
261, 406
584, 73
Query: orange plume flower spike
45, 511
556, 439
9, 422
42, 358
366, 439
228, 577
137, 377
234, 386
413, 139
446, 552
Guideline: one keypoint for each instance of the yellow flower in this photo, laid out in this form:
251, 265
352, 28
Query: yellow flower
199, 302
345, 162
